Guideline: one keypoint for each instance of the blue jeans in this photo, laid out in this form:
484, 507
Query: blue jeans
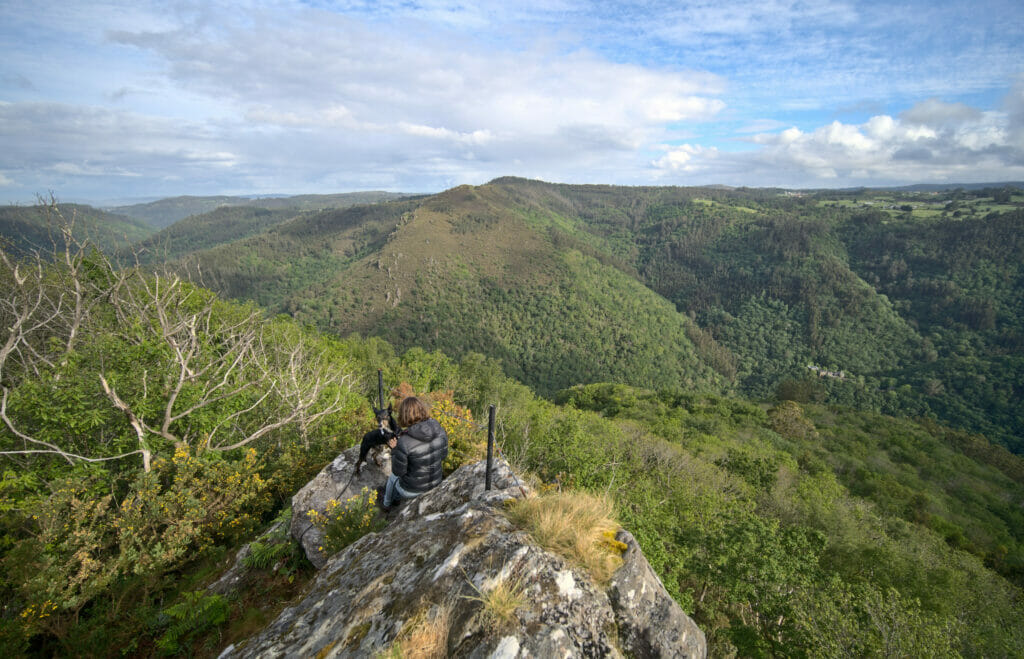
394, 492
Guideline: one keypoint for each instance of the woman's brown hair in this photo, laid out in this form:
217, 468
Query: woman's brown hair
412, 410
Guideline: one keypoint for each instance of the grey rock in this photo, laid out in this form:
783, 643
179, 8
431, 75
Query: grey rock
237, 575
448, 550
651, 624
335, 481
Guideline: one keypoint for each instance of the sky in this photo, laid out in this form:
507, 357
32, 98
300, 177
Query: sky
105, 101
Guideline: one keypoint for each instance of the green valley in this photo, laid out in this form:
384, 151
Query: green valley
914, 315
38, 228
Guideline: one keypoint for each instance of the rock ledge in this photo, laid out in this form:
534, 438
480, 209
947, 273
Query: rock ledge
447, 550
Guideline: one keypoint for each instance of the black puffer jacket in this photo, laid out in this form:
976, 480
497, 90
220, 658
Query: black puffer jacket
418, 457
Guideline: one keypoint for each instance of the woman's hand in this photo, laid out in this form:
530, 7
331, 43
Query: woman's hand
392, 443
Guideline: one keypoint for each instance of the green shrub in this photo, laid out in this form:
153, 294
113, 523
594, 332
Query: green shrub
197, 613
344, 522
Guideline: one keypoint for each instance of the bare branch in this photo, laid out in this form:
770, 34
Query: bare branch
52, 448
65, 454
136, 423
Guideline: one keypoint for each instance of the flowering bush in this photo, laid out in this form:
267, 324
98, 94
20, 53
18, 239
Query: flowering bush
465, 442
81, 540
344, 522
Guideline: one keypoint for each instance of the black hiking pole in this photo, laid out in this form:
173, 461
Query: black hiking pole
490, 447
380, 389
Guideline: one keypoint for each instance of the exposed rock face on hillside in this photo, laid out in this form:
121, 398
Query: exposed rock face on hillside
447, 552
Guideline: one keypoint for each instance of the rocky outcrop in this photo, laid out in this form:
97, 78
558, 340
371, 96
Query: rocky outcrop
339, 482
445, 557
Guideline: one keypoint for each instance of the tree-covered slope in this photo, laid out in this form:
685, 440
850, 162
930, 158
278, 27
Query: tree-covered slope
205, 231
38, 228
960, 281
274, 265
905, 308
809, 531
165, 212
916, 309
467, 270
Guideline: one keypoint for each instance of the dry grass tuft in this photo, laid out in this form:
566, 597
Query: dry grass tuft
425, 636
578, 526
500, 603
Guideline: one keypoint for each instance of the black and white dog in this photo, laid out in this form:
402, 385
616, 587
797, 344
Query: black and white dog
386, 429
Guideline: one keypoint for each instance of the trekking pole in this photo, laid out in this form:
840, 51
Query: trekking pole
380, 389
490, 447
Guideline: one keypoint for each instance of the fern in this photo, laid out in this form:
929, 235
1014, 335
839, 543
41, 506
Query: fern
263, 555
197, 612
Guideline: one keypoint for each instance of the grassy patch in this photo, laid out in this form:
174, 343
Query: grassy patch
424, 636
578, 526
500, 603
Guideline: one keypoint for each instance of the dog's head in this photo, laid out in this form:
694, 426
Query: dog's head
384, 417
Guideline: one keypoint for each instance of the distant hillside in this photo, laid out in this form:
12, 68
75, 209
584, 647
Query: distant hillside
207, 230
30, 228
884, 301
165, 212
934, 187
464, 271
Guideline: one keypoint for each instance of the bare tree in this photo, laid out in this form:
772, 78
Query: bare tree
300, 382
219, 387
41, 316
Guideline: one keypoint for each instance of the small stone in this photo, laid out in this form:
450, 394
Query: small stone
508, 648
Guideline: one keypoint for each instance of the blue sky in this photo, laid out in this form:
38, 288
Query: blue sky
121, 100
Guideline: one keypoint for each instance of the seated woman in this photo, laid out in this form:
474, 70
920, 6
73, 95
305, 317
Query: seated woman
416, 454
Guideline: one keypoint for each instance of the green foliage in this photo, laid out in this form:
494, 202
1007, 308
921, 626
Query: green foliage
147, 426
26, 229
919, 311
263, 556
222, 225
769, 539
80, 541
344, 522
195, 614
278, 551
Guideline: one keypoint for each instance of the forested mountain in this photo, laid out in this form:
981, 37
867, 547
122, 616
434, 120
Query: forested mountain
31, 228
466, 270
165, 212
908, 305
149, 428
207, 230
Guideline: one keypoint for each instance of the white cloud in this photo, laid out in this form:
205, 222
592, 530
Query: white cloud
319, 61
86, 169
930, 141
4, 181
476, 137
294, 96
681, 158
933, 112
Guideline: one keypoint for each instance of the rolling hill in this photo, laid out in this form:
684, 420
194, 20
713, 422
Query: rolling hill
37, 228
205, 231
890, 306
466, 271
165, 212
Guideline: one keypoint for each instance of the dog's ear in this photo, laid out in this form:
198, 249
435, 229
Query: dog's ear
391, 407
